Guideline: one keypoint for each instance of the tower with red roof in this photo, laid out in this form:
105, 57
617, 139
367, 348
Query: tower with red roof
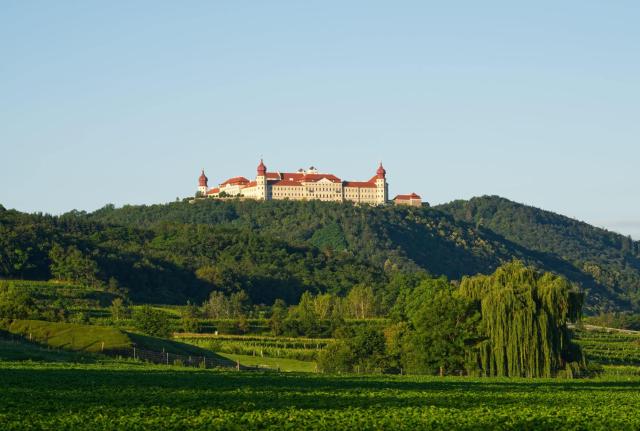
261, 181
382, 188
203, 183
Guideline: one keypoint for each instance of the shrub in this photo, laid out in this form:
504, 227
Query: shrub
152, 322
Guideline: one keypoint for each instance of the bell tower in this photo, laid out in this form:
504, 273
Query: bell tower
261, 182
203, 184
382, 188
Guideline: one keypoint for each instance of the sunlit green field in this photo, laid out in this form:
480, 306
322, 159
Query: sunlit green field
282, 364
140, 396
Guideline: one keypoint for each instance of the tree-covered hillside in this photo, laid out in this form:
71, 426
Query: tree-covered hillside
432, 239
278, 249
388, 237
170, 262
610, 259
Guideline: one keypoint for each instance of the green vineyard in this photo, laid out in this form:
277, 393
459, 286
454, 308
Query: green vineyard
610, 347
303, 349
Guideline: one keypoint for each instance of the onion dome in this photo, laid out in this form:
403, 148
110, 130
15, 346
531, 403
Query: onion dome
381, 172
202, 181
262, 169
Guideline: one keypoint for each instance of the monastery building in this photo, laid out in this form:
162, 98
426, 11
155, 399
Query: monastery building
307, 184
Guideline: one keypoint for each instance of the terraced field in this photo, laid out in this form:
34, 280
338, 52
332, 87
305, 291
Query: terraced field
301, 349
610, 346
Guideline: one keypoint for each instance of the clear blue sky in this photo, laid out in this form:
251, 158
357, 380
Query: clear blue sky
123, 102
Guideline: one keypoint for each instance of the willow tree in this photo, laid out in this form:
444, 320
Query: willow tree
524, 322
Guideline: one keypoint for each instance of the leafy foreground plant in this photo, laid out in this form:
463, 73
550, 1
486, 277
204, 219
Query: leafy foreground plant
136, 396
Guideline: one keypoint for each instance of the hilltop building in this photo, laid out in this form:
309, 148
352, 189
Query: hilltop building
412, 200
309, 184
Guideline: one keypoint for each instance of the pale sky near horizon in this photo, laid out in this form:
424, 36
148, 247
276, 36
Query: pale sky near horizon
124, 102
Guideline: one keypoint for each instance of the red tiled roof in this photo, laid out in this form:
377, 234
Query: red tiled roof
213, 191
292, 176
235, 180
273, 176
359, 184
286, 183
251, 184
317, 177
262, 169
202, 180
407, 197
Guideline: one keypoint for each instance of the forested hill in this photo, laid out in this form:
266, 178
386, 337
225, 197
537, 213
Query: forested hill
171, 263
611, 259
438, 240
387, 237
278, 249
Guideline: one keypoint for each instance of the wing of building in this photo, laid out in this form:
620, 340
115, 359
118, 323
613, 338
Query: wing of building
301, 185
413, 200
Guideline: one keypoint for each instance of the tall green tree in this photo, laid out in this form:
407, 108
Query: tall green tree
152, 321
360, 350
217, 306
72, 265
305, 314
15, 303
238, 304
278, 316
444, 327
524, 321
362, 302
323, 305
118, 309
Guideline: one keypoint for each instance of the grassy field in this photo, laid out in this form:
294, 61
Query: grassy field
71, 336
282, 364
135, 396
23, 351
94, 339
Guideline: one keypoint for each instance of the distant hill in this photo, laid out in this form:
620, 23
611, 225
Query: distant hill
611, 260
277, 249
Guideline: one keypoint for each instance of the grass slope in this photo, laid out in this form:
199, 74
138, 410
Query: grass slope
71, 336
14, 348
91, 339
162, 344
282, 364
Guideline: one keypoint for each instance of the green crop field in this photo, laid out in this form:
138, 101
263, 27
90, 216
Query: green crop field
137, 396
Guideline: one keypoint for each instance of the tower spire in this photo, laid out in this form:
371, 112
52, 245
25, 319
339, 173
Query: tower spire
262, 169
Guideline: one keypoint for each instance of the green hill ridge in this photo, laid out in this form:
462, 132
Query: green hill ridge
611, 260
169, 253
